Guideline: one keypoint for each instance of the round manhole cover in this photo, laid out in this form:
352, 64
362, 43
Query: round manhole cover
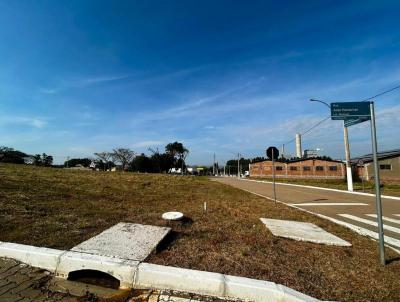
172, 216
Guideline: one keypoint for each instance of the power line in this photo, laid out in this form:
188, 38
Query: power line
326, 118
382, 93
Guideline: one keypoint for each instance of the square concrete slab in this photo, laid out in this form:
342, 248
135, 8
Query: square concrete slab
302, 231
125, 240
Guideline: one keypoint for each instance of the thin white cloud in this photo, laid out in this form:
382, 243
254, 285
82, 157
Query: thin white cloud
33, 122
81, 82
144, 144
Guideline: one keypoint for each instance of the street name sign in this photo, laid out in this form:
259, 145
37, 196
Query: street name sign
350, 110
351, 122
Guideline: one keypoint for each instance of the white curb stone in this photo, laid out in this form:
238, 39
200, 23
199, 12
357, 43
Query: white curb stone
167, 277
123, 270
253, 290
261, 291
132, 274
291, 295
34, 256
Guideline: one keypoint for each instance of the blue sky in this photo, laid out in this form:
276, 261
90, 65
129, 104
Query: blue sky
78, 77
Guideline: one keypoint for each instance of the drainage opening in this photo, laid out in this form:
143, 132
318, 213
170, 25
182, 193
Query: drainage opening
94, 277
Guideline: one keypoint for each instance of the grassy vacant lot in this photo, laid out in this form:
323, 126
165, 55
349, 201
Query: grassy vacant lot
387, 188
61, 208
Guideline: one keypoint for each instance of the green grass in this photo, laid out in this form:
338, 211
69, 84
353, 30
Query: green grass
60, 208
388, 188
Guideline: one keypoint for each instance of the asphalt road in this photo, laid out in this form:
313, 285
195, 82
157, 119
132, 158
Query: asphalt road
354, 211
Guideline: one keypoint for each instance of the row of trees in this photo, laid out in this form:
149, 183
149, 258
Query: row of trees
174, 157
10, 155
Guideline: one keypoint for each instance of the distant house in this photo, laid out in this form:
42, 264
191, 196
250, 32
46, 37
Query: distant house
29, 160
308, 168
175, 171
389, 165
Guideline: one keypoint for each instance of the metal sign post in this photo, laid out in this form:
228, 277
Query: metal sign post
273, 154
353, 113
377, 186
361, 163
273, 174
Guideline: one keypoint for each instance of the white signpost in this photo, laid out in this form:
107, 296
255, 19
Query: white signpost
353, 113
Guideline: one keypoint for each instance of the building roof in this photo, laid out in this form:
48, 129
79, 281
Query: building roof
313, 158
381, 155
299, 160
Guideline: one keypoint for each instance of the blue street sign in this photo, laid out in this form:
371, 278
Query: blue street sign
354, 121
350, 110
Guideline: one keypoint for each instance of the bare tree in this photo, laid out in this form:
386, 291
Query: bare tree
104, 157
123, 156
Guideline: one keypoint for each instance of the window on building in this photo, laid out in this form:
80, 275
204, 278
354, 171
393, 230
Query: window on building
333, 168
319, 168
279, 168
293, 168
385, 167
306, 168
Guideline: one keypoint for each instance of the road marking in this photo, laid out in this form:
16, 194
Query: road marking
385, 218
389, 241
329, 204
321, 188
365, 232
366, 221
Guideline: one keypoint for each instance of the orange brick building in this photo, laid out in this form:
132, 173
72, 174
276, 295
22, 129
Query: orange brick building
302, 168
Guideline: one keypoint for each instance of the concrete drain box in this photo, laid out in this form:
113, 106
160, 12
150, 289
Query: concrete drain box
125, 241
302, 231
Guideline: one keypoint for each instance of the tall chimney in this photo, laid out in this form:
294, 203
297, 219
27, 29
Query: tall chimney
298, 145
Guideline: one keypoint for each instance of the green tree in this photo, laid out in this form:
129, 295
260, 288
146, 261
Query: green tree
9, 155
178, 152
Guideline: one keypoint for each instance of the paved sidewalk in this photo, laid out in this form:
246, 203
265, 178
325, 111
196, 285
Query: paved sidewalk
19, 282
22, 283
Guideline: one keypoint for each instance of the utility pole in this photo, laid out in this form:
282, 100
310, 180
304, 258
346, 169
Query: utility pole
67, 161
214, 166
349, 175
238, 167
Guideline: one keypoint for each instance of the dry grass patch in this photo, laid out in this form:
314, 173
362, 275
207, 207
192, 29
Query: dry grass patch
61, 208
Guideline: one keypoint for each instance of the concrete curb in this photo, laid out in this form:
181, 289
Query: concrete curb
34, 256
321, 188
146, 275
168, 277
121, 269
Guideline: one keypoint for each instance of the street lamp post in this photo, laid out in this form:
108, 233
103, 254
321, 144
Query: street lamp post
349, 175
